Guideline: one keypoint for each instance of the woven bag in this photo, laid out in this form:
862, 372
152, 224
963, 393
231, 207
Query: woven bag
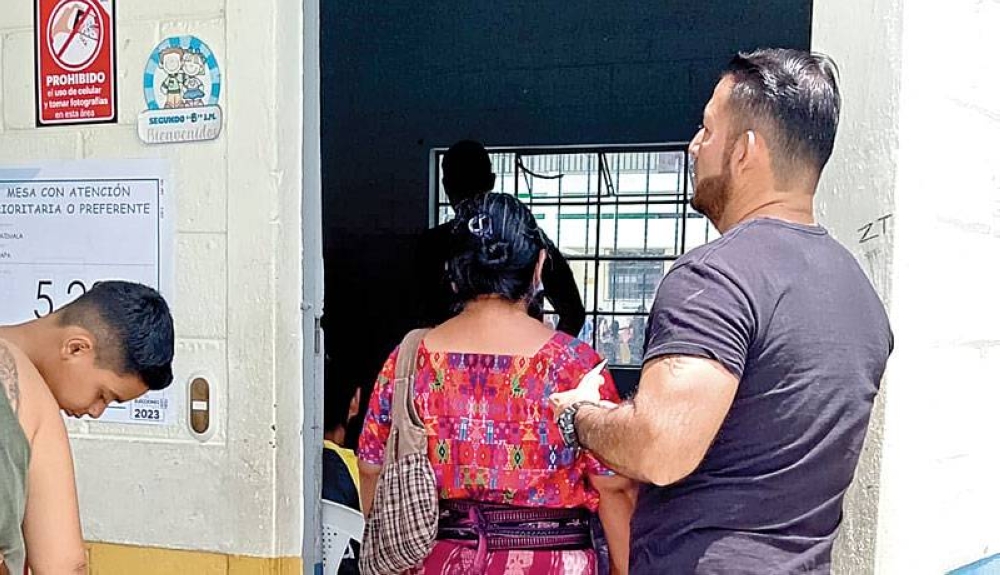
403, 521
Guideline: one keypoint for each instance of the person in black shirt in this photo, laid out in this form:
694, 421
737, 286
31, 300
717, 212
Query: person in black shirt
765, 348
468, 171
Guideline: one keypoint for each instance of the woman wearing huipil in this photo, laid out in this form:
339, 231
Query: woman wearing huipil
514, 499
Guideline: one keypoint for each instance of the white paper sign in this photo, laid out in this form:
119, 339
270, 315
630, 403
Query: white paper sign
66, 225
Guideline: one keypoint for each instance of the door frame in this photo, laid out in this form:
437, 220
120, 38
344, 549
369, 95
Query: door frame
312, 293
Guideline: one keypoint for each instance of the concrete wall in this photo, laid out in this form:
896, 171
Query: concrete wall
856, 203
238, 288
919, 143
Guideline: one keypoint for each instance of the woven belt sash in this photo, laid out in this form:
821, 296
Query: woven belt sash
494, 527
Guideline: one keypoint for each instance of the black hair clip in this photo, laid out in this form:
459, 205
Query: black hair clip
480, 225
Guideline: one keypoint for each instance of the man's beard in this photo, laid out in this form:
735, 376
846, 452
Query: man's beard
712, 195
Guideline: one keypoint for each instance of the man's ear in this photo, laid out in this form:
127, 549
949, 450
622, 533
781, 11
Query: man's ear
748, 150
77, 345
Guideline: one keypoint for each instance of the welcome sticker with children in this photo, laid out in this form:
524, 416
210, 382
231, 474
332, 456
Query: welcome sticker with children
182, 85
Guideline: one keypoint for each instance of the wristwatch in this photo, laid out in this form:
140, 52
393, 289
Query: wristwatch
567, 424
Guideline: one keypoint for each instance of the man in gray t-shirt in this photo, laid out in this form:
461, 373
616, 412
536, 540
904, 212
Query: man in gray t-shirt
765, 348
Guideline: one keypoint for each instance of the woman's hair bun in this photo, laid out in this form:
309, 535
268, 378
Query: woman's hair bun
495, 248
494, 254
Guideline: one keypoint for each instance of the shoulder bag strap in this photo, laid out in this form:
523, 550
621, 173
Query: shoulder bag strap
407, 428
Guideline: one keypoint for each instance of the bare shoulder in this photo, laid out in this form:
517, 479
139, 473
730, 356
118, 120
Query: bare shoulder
25, 388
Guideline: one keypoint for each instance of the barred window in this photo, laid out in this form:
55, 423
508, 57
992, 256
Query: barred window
634, 280
619, 214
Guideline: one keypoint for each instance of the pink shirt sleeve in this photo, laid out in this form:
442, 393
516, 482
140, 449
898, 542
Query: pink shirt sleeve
378, 420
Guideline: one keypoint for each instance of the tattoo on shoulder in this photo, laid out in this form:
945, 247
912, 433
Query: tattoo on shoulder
8, 376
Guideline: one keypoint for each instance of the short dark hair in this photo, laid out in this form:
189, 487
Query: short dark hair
495, 247
133, 329
466, 171
796, 93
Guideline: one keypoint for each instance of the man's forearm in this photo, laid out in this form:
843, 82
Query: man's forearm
613, 436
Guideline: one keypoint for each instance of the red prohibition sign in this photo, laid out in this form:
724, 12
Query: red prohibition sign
75, 34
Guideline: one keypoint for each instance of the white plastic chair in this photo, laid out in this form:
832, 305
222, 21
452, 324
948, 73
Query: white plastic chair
341, 524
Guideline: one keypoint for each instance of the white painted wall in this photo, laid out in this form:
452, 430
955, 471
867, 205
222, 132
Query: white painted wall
857, 190
924, 73
941, 503
238, 288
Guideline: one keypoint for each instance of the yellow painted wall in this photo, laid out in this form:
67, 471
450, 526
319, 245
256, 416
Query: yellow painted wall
107, 559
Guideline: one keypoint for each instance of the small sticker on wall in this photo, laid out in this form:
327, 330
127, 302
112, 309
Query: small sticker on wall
182, 85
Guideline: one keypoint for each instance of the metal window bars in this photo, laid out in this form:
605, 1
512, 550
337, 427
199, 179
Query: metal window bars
619, 214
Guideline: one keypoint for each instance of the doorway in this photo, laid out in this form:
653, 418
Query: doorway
398, 81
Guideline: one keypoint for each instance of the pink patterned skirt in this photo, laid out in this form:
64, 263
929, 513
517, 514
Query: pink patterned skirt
454, 558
